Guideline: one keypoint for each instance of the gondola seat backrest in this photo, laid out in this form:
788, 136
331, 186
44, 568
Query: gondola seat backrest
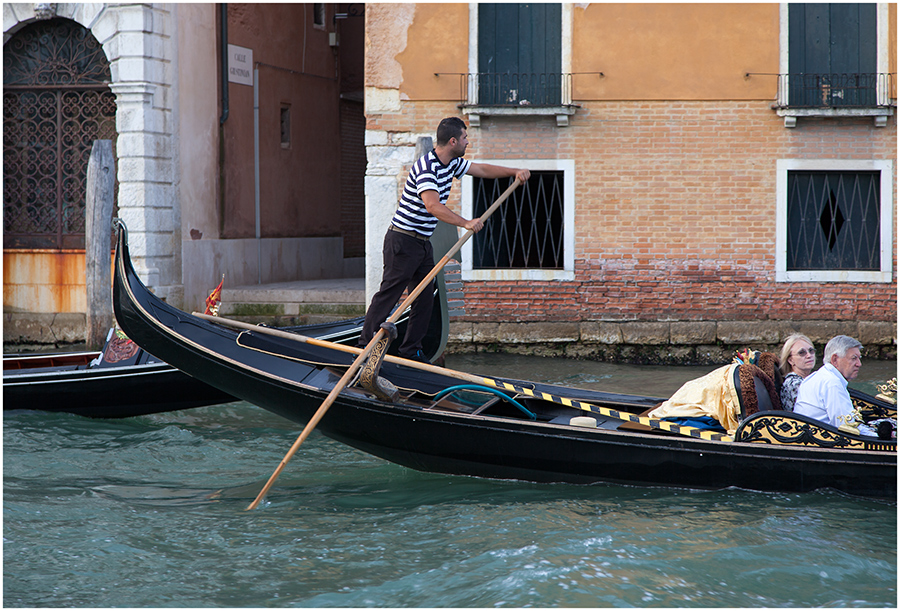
756, 390
121, 351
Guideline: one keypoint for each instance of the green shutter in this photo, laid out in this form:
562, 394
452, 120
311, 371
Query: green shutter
519, 53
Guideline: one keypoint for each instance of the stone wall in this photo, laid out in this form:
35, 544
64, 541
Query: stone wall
669, 343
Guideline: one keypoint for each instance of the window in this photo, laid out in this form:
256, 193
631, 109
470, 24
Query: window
833, 49
531, 235
835, 61
319, 15
285, 126
519, 54
519, 61
834, 221
56, 102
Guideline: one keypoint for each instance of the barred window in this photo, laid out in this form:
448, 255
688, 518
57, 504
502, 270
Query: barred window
834, 221
530, 236
527, 231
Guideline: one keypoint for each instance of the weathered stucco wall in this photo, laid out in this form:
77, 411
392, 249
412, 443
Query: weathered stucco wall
437, 42
382, 70
675, 51
44, 281
197, 115
299, 183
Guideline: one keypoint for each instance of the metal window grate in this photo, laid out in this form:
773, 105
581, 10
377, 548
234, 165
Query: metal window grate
56, 102
526, 232
834, 220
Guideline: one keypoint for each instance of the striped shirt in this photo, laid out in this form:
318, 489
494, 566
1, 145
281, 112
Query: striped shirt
427, 174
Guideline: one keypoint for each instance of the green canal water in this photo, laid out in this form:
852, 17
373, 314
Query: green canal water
149, 512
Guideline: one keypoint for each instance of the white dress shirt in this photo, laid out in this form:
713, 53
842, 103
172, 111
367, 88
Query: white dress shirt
823, 395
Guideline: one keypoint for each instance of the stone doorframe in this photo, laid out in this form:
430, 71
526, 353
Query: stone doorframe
137, 40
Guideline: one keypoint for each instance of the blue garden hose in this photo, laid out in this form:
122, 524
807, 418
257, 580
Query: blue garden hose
486, 389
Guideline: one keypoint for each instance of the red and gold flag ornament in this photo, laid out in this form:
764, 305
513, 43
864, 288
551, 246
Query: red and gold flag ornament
214, 299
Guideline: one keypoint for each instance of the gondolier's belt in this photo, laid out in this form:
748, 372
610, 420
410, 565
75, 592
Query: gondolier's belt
413, 234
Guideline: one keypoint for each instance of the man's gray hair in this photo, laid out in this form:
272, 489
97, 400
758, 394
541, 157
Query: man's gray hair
839, 345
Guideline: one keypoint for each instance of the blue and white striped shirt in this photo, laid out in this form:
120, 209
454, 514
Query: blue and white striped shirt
427, 174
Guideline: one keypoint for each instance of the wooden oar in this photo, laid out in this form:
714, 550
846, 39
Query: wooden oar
360, 359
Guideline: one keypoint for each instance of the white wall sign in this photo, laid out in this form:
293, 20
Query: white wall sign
240, 65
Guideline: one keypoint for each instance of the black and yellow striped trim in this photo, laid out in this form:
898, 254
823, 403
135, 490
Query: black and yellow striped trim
612, 413
663, 425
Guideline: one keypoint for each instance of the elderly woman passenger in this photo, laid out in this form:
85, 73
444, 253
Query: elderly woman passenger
798, 359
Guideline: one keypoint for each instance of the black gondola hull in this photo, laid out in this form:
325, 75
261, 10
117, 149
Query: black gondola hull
111, 393
293, 379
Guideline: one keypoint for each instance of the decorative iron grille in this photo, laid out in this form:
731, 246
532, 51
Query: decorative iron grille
545, 89
868, 90
834, 220
56, 102
519, 89
526, 232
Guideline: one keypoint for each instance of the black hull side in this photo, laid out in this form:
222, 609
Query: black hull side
482, 446
121, 392
533, 451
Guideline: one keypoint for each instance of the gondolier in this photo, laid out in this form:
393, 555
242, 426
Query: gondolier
408, 254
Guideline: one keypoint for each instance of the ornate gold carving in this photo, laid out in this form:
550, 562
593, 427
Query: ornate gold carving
888, 391
785, 429
369, 378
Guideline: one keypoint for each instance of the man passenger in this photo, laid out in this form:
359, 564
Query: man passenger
823, 394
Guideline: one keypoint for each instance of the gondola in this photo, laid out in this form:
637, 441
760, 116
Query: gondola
456, 423
119, 382
124, 380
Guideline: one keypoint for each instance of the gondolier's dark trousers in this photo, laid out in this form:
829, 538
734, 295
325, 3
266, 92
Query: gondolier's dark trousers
407, 261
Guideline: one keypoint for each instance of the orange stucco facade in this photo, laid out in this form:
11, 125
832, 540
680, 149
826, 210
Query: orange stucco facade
675, 51
646, 51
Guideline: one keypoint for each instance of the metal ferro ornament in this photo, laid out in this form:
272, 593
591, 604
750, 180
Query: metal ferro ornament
851, 421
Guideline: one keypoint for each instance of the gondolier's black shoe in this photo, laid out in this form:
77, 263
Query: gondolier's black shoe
418, 356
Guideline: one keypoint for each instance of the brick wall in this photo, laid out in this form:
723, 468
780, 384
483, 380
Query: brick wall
675, 214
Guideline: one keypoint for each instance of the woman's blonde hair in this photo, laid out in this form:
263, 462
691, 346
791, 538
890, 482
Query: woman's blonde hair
786, 350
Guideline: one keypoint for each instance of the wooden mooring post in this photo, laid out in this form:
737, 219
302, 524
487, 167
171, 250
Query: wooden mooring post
98, 212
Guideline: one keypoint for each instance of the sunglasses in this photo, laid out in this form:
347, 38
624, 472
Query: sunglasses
804, 352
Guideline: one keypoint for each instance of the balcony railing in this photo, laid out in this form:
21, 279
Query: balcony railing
514, 89
834, 91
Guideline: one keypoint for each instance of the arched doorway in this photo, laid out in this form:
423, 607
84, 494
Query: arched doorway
56, 102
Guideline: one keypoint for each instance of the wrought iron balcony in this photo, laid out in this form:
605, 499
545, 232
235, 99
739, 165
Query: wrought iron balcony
515, 93
835, 91
511, 89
